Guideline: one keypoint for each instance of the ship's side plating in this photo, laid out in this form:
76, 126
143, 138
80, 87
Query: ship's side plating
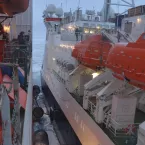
85, 128
71, 86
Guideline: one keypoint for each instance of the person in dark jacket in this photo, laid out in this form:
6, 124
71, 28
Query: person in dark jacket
21, 38
29, 35
6, 36
118, 36
77, 33
81, 33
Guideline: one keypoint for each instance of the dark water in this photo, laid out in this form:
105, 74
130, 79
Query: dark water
39, 34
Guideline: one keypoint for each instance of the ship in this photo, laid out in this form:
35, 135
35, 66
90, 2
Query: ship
15, 71
94, 84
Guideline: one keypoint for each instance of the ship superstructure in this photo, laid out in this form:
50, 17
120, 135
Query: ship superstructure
98, 82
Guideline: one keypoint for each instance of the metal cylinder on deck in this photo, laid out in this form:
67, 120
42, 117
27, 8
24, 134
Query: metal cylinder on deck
36, 90
41, 138
41, 102
37, 113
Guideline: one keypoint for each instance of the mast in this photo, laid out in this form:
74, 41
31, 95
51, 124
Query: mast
78, 10
107, 7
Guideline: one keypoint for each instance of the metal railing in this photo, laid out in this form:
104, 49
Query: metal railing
122, 129
5, 108
91, 107
20, 54
27, 129
70, 36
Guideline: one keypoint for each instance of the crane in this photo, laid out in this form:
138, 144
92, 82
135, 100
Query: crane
107, 10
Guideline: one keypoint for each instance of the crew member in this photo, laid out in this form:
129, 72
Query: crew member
77, 33
118, 36
29, 35
81, 33
21, 40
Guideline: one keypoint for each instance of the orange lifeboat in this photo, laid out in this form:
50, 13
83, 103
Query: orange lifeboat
127, 62
12, 7
92, 52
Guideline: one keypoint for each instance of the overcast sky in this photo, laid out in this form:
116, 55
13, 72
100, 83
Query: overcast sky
40, 5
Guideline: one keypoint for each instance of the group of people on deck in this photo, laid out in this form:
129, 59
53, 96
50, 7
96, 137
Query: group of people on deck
23, 39
79, 32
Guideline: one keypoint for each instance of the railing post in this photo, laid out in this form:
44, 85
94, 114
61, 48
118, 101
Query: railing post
27, 129
16, 111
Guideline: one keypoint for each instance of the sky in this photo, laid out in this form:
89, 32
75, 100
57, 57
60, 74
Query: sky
40, 5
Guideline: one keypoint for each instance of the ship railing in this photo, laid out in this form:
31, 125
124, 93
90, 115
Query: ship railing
122, 129
126, 36
77, 96
27, 128
118, 35
70, 36
109, 36
15, 119
91, 107
20, 54
15, 49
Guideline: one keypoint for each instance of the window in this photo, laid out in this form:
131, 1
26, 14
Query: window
86, 25
128, 27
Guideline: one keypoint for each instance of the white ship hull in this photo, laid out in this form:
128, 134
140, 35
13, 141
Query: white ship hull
112, 103
88, 132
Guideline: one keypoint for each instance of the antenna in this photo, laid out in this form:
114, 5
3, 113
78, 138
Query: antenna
108, 3
133, 3
66, 5
78, 3
78, 10
46, 4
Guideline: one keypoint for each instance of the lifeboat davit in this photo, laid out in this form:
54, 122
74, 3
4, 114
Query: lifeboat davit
92, 52
127, 62
12, 7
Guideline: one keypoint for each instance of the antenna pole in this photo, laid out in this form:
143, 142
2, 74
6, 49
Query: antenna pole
78, 3
133, 3
66, 5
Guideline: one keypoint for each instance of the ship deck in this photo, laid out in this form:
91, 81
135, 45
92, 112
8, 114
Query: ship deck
139, 118
85, 128
117, 140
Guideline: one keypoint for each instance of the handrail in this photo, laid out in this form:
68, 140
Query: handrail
121, 130
20, 56
27, 129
